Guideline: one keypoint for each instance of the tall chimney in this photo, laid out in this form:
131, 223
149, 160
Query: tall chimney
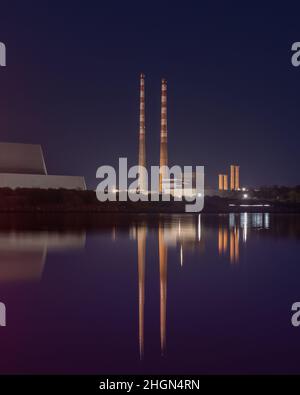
163, 161
221, 183
225, 182
142, 143
232, 177
237, 178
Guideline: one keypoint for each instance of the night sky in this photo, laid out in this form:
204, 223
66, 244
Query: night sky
72, 84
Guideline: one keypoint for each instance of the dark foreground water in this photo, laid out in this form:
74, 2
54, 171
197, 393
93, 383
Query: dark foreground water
151, 294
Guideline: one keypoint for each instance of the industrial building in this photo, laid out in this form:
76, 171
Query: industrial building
23, 166
234, 179
175, 187
223, 182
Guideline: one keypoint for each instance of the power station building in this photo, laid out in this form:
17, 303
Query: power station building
23, 166
223, 182
234, 179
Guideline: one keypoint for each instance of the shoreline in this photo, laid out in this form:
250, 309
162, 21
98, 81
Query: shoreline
75, 201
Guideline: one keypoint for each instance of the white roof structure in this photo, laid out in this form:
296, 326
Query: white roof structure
23, 166
22, 158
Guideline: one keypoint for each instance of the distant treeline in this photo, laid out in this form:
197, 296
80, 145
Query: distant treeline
277, 193
66, 200
276, 199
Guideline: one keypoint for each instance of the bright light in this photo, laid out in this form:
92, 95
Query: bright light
245, 196
244, 189
181, 256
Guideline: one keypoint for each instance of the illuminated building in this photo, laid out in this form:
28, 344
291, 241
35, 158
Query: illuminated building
223, 182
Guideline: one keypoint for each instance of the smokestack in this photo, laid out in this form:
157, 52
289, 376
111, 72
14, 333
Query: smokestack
163, 161
225, 182
142, 143
237, 178
221, 183
232, 177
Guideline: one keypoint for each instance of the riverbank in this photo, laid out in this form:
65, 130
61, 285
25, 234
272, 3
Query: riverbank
62, 200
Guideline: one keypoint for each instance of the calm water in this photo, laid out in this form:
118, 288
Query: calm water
150, 294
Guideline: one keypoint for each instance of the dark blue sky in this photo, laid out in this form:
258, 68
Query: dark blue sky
72, 78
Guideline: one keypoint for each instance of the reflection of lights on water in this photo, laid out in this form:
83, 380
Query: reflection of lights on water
231, 220
267, 220
181, 256
245, 196
257, 220
199, 227
244, 225
114, 234
132, 233
222, 240
234, 245
179, 228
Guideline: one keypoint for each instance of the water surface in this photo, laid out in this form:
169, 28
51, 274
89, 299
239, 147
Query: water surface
150, 294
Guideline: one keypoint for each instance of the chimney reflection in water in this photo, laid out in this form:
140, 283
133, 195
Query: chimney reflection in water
234, 237
163, 260
141, 240
186, 232
141, 243
169, 234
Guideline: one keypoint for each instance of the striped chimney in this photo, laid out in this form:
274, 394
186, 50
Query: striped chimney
237, 178
225, 182
232, 177
221, 182
142, 143
163, 133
